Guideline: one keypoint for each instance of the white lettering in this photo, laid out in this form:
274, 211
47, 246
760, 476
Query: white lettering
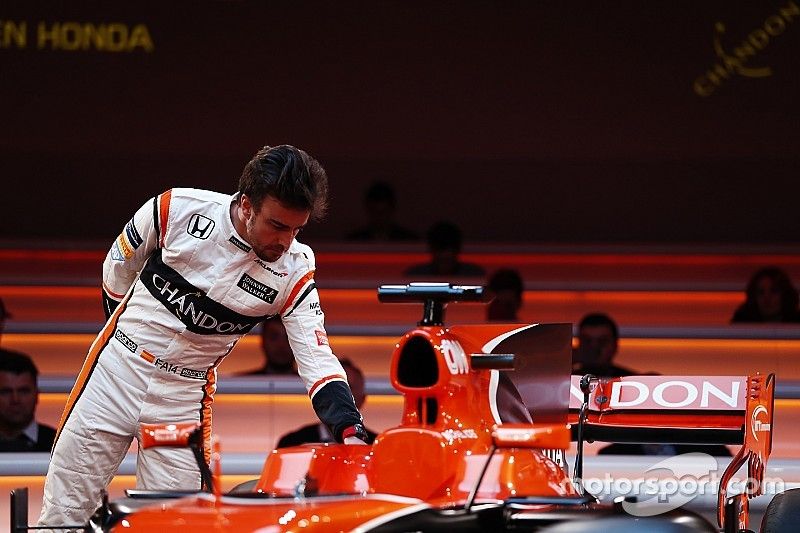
709, 388
454, 357
208, 322
658, 393
616, 390
179, 302
576, 393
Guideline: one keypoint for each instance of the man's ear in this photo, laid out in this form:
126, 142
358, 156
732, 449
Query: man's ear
246, 205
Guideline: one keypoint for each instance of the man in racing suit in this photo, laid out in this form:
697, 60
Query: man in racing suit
190, 274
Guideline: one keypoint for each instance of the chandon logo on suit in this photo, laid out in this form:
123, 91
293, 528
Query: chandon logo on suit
199, 313
200, 226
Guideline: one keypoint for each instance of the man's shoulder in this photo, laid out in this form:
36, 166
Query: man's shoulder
185, 195
301, 254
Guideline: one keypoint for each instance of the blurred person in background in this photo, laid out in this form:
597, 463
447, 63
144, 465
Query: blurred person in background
444, 245
505, 288
598, 342
770, 297
278, 354
4, 315
380, 206
19, 395
319, 432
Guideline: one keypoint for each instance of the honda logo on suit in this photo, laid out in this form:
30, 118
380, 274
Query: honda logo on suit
200, 226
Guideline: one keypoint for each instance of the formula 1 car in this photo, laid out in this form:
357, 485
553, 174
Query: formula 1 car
489, 411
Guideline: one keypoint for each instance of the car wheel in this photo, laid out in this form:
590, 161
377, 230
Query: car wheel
783, 513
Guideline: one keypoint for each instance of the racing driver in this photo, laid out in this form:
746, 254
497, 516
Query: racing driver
190, 274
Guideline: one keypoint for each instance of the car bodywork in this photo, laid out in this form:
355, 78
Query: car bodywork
487, 414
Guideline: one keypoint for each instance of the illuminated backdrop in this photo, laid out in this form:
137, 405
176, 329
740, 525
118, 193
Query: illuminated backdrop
527, 121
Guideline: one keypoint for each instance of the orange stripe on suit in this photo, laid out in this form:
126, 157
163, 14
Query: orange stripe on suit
163, 212
89, 364
205, 408
325, 380
297, 286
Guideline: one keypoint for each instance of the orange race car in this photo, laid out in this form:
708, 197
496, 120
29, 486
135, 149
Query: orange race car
489, 411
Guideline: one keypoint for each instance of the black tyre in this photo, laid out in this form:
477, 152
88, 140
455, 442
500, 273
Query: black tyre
783, 513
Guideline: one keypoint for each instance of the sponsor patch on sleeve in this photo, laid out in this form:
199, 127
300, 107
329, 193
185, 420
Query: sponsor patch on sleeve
322, 338
116, 254
124, 247
133, 235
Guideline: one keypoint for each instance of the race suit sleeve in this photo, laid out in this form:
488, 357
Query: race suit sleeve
129, 252
319, 368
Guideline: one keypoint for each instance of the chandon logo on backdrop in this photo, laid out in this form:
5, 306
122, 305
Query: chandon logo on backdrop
737, 60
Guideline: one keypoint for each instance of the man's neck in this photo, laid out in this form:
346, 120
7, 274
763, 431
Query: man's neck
238, 225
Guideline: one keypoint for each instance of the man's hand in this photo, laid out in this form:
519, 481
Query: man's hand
355, 434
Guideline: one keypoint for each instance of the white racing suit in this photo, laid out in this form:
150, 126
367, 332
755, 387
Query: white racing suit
181, 287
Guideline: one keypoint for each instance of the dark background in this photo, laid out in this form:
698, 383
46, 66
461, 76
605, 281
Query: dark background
534, 122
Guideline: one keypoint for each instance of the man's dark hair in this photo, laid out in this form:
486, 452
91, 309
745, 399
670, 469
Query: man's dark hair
600, 319
444, 236
289, 175
380, 191
17, 363
506, 279
789, 295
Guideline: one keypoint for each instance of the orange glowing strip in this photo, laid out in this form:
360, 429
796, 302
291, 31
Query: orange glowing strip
352, 340
21, 291
355, 340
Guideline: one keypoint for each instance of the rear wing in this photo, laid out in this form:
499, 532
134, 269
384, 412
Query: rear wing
679, 409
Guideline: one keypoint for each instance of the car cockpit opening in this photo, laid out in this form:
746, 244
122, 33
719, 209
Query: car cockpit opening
417, 367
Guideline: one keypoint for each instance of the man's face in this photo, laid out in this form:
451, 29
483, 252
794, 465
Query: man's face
445, 260
18, 397
596, 345
272, 227
768, 298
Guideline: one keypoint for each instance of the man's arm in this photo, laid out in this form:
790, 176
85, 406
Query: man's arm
140, 236
321, 371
